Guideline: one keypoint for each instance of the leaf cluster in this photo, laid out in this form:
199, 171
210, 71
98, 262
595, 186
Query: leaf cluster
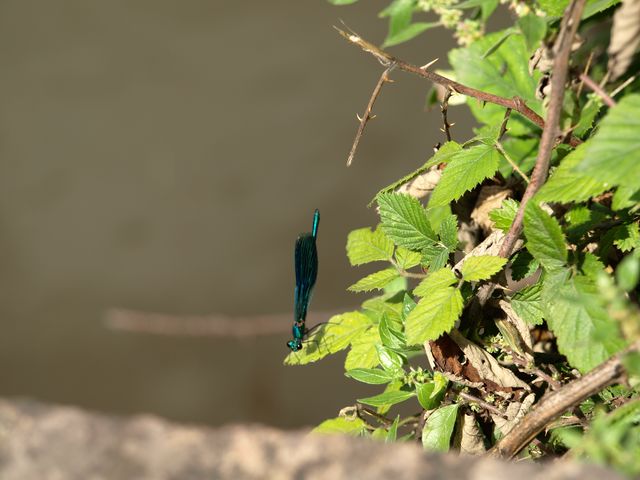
565, 300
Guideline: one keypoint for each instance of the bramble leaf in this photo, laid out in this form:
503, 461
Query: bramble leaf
465, 170
363, 353
481, 267
436, 435
545, 240
437, 312
567, 184
331, 337
527, 303
585, 332
404, 220
375, 281
372, 376
387, 398
356, 426
406, 258
503, 217
611, 154
364, 246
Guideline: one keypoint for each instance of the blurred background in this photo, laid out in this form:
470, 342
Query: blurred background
162, 156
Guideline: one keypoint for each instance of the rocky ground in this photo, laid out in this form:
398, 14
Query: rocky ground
47, 442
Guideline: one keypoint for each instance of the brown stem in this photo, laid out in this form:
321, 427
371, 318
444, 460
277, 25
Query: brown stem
443, 108
487, 406
610, 102
384, 78
386, 59
556, 403
550, 132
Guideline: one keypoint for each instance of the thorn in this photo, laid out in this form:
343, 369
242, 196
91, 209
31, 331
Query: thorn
424, 67
442, 130
358, 117
372, 117
452, 124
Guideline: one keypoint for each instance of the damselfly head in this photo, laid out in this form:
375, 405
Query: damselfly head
295, 345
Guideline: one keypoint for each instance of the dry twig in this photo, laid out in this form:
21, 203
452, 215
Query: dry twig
387, 60
610, 102
384, 78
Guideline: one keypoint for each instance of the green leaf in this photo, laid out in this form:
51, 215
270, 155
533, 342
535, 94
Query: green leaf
405, 221
527, 303
387, 398
389, 359
498, 43
372, 376
465, 171
553, 8
437, 312
566, 184
481, 267
437, 279
406, 258
430, 394
449, 232
331, 337
409, 32
628, 272
588, 114
408, 304
363, 353
523, 265
364, 246
356, 426
390, 336
504, 73
596, 6
585, 332
375, 281
392, 435
442, 155
628, 237
611, 154
435, 256
436, 435
534, 28
625, 197
545, 240
503, 217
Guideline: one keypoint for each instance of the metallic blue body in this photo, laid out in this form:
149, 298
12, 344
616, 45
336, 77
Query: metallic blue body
306, 269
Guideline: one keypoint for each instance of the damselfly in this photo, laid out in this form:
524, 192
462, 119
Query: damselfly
306, 267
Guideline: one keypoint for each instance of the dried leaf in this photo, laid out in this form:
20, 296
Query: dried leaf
523, 342
487, 366
423, 184
470, 436
515, 412
490, 197
625, 38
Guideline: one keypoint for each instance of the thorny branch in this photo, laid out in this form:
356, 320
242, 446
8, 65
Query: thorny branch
384, 78
387, 60
443, 108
